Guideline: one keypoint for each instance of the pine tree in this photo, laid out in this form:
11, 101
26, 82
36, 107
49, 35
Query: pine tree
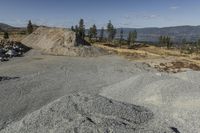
111, 31
121, 36
94, 31
161, 40
129, 39
72, 28
132, 38
198, 43
6, 35
168, 42
82, 29
102, 34
90, 34
135, 35
184, 41
29, 27
76, 29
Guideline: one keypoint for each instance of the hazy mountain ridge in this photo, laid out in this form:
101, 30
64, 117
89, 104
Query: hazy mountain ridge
5, 27
177, 33
9, 28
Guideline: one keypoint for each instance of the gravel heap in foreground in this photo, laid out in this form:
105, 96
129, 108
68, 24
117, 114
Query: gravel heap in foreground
59, 41
174, 99
85, 113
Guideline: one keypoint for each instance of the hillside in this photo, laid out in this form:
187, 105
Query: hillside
190, 33
5, 27
178, 33
8, 28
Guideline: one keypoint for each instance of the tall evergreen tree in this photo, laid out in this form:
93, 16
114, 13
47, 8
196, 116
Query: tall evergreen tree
129, 39
6, 35
82, 29
198, 43
76, 30
102, 34
184, 41
121, 35
72, 28
135, 34
132, 38
94, 31
29, 27
90, 34
111, 31
161, 40
168, 42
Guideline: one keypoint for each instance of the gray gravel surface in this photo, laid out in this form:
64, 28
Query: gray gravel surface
174, 99
45, 81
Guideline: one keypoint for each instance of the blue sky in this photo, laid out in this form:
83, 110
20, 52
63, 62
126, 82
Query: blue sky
123, 13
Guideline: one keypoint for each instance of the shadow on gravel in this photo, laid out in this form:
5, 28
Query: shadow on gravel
175, 130
7, 78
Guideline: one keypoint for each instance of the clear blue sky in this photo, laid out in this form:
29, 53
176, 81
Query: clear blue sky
123, 13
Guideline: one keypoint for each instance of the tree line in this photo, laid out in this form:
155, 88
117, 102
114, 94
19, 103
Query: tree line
166, 41
111, 31
92, 33
109, 37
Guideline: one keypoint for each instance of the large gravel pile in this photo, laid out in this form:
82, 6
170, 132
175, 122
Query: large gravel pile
83, 113
59, 41
174, 99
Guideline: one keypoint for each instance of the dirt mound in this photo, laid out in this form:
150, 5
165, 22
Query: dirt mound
84, 113
59, 41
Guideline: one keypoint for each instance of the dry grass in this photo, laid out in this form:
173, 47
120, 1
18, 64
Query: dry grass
163, 59
139, 54
15, 37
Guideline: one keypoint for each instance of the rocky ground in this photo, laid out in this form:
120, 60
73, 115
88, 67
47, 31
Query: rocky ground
63, 93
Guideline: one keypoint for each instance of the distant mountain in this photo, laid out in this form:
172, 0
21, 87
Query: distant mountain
177, 34
5, 27
8, 28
